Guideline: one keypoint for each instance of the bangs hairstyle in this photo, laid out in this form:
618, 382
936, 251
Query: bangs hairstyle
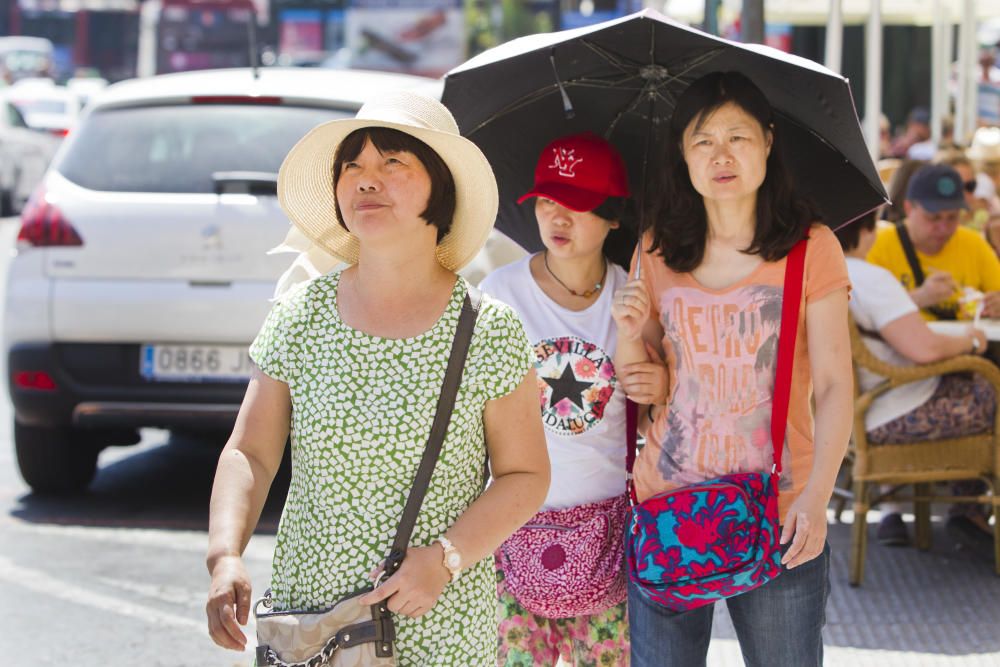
677, 210
440, 209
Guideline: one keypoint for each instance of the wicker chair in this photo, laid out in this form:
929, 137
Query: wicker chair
920, 464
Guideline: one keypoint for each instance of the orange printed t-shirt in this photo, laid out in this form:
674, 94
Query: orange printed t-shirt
721, 348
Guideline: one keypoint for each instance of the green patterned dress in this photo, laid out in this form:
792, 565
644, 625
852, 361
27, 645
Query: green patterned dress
362, 408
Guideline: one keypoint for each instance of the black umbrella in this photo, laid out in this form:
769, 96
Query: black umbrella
621, 79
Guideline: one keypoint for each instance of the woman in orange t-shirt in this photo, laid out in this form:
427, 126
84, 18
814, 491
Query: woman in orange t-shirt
709, 302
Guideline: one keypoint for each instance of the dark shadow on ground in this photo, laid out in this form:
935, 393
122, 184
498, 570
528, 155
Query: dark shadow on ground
163, 485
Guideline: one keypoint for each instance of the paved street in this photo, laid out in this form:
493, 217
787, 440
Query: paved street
117, 577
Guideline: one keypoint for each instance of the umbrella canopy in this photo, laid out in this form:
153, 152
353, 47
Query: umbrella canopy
621, 79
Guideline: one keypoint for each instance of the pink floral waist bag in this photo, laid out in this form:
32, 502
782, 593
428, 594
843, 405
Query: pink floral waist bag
567, 563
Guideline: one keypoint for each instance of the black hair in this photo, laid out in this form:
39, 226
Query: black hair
677, 210
620, 242
849, 235
440, 211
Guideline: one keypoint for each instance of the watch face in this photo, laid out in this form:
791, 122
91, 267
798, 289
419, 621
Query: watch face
453, 561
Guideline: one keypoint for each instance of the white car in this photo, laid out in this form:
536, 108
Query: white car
24, 156
46, 106
141, 275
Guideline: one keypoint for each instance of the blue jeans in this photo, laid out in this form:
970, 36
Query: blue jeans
778, 624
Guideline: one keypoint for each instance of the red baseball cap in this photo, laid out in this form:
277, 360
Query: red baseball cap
579, 172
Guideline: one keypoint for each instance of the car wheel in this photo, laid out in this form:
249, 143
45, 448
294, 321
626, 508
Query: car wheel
54, 460
6, 204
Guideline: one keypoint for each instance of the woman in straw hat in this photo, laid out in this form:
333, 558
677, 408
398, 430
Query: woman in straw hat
353, 363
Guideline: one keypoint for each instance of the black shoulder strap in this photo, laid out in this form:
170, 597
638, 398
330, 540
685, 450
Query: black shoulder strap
940, 312
442, 417
911, 254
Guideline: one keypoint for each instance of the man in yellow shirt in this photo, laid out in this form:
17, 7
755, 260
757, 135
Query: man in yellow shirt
945, 258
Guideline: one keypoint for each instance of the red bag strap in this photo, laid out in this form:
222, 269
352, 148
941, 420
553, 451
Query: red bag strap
791, 302
631, 440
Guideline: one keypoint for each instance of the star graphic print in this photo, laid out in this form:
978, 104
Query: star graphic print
576, 379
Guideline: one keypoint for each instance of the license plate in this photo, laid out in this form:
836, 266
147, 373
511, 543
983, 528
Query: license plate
195, 363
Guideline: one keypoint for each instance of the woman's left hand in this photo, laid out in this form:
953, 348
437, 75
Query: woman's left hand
645, 382
416, 586
806, 520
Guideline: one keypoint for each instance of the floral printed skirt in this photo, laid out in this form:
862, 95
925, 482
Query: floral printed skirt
961, 405
527, 640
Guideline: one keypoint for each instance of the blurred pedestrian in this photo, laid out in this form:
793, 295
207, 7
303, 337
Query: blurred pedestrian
710, 300
918, 128
884, 136
352, 363
563, 295
985, 155
928, 148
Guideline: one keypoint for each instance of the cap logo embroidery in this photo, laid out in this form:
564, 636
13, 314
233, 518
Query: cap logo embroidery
946, 186
565, 161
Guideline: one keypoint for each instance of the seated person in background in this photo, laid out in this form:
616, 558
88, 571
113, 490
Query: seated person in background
949, 406
934, 257
985, 155
977, 213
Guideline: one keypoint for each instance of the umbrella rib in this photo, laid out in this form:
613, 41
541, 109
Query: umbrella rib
612, 58
542, 92
514, 106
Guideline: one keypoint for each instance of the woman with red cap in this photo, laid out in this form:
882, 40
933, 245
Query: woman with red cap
562, 590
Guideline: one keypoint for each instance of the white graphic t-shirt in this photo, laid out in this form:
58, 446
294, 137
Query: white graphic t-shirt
583, 406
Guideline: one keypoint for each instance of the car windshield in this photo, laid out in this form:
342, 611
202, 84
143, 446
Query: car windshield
178, 148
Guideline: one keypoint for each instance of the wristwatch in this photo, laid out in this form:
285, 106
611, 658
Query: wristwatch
452, 557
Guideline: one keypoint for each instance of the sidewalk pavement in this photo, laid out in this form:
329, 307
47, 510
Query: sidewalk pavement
914, 609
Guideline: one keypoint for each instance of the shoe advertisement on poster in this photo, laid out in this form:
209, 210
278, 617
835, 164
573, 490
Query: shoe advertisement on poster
424, 37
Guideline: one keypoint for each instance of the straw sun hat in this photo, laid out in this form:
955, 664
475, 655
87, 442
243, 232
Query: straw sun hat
305, 181
985, 145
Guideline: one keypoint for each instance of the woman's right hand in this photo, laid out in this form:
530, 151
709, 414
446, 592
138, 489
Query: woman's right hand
630, 310
228, 602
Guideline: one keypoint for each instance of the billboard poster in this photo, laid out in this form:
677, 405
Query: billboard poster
301, 31
414, 36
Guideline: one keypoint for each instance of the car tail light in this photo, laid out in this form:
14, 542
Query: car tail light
60, 131
37, 380
43, 225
